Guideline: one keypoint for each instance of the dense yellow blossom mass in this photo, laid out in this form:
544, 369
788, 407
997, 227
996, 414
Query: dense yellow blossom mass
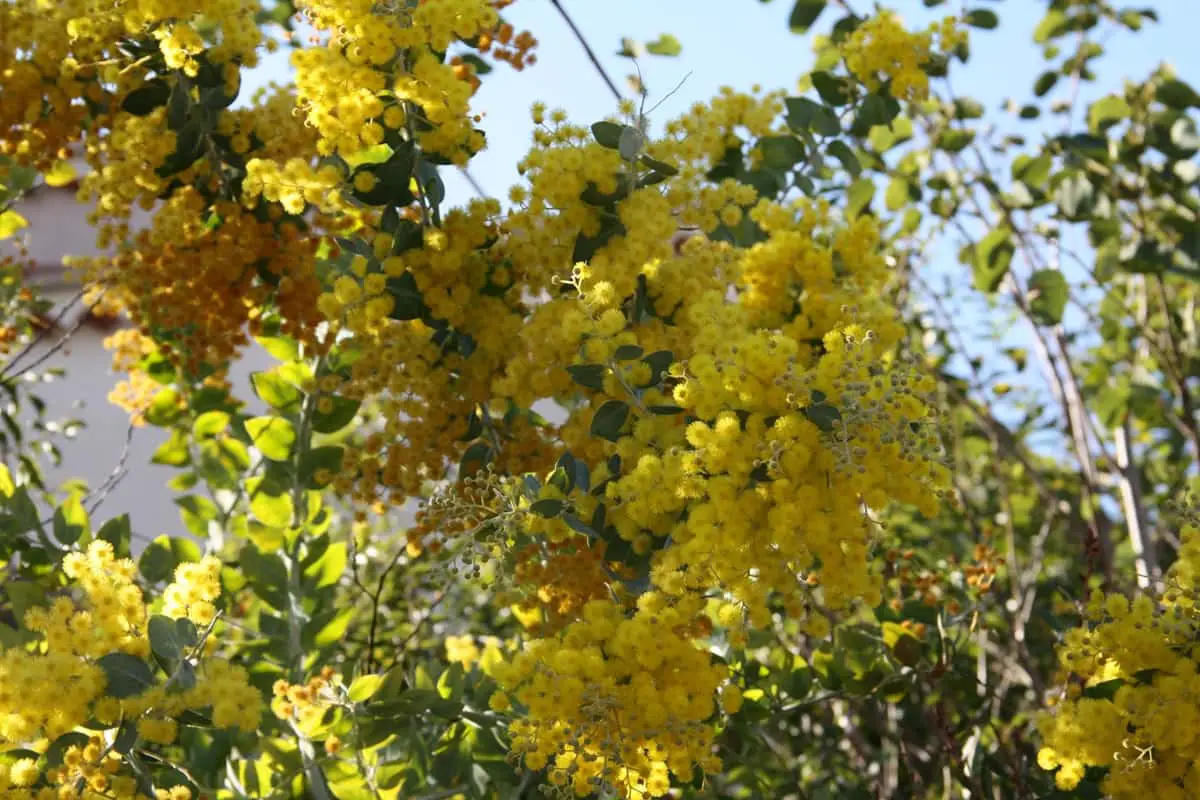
63, 683
735, 410
1132, 677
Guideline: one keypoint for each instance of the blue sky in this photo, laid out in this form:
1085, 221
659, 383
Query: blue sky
743, 42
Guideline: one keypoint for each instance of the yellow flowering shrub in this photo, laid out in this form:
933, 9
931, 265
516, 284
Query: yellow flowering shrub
1131, 676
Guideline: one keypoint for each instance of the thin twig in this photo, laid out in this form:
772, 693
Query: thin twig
466, 173
52, 325
428, 615
587, 48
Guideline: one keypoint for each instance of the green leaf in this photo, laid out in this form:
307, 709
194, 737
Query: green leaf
659, 362
1146, 258
276, 392
364, 687
968, 108
125, 675
609, 419
159, 559
586, 246
126, 737
1047, 296
661, 167
1032, 171
320, 459
823, 415
1105, 690
859, 196
197, 512
118, 533
907, 649
780, 152
1106, 112
450, 682
272, 435
804, 14
993, 257
627, 352
876, 110
834, 90
336, 418
59, 747
729, 165
393, 180
407, 301
1051, 25
578, 525
665, 45
589, 375
327, 566
266, 574
25, 515
174, 451
804, 115
1045, 82
665, 411
983, 18
475, 458
416, 701
630, 143
281, 348
143, 100
608, 134
179, 104
24, 595
1177, 94
1075, 196
164, 638
548, 508
897, 194
1086, 145
481, 67
164, 408
955, 140
189, 146
271, 505
70, 521
335, 629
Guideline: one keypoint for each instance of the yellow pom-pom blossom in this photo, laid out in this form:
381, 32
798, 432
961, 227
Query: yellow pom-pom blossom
881, 49
1133, 678
348, 88
616, 700
193, 591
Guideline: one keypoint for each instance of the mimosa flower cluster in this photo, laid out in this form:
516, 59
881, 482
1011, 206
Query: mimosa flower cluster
58, 685
1132, 680
882, 49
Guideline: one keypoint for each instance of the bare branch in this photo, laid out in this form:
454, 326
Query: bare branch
587, 48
